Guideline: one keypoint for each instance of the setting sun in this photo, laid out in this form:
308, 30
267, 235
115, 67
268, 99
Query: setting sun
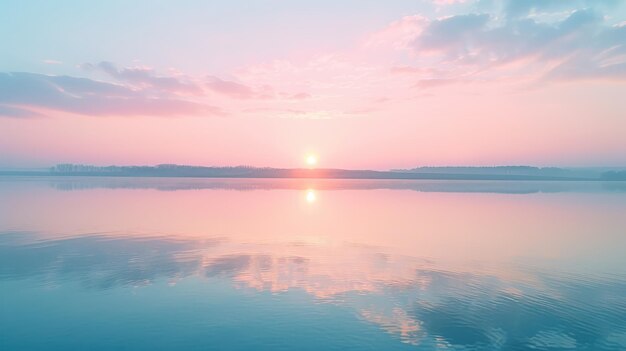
311, 160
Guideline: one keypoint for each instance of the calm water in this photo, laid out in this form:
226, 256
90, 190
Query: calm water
190, 264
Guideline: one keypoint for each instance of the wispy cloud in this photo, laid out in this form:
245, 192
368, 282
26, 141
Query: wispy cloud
23, 94
147, 78
16, 112
230, 88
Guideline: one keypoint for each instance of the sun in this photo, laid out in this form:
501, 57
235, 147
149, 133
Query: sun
311, 160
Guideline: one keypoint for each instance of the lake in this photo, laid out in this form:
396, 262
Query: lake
286, 264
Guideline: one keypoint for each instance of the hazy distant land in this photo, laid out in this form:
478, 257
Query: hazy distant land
442, 173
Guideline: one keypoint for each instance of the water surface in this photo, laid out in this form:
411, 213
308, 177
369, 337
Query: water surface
197, 264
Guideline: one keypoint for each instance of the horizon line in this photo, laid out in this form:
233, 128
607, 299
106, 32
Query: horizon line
12, 168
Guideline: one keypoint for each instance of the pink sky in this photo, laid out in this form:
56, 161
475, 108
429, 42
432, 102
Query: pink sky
376, 86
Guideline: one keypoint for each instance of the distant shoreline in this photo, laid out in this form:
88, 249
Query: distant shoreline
381, 175
514, 173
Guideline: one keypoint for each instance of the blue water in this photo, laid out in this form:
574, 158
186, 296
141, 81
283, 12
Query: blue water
171, 264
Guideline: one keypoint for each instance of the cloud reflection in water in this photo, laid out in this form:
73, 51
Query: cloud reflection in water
417, 300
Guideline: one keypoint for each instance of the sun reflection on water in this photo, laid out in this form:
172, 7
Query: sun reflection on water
310, 196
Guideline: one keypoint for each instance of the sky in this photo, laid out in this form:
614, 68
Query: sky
357, 83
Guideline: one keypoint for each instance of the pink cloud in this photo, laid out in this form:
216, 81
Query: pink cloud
230, 88
398, 34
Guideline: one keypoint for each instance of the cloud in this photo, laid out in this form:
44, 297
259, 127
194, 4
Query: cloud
517, 8
230, 88
129, 91
145, 77
513, 42
21, 94
453, 34
242, 91
582, 45
16, 112
298, 96
399, 34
